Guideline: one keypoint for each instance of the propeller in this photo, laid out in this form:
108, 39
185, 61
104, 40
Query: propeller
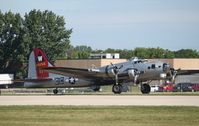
173, 74
116, 70
134, 74
137, 74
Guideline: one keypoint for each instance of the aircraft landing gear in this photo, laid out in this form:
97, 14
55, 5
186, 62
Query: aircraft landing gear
96, 88
117, 88
55, 91
145, 88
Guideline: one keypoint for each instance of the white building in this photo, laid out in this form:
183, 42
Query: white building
6, 79
105, 56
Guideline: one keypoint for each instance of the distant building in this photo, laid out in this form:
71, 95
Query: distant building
105, 56
6, 79
87, 63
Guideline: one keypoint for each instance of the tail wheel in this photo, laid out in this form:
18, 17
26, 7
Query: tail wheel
117, 88
55, 91
145, 88
96, 88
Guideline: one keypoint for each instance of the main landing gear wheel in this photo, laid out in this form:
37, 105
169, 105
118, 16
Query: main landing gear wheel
55, 91
145, 88
117, 88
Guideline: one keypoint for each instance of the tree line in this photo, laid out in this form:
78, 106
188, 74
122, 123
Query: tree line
46, 30
83, 52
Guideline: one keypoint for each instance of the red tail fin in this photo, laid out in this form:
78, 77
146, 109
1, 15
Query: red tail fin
40, 62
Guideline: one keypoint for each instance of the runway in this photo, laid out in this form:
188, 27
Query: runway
98, 100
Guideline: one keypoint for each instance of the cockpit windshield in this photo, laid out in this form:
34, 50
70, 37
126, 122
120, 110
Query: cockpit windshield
137, 60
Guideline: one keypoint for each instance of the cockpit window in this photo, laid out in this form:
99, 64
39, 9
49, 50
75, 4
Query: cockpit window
137, 62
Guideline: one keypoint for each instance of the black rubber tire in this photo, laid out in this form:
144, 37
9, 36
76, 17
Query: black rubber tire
55, 91
145, 88
117, 89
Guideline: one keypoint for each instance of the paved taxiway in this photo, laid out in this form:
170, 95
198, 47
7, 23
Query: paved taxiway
101, 100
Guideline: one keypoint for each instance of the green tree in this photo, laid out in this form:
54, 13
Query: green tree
72, 53
79, 52
47, 31
83, 48
109, 50
186, 53
142, 53
83, 51
97, 51
153, 53
126, 54
169, 54
14, 44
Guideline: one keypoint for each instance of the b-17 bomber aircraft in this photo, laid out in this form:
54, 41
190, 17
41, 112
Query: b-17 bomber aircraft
42, 74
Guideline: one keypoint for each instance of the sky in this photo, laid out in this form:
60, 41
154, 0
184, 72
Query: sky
122, 24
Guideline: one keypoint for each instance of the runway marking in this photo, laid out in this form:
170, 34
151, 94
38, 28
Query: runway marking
101, 100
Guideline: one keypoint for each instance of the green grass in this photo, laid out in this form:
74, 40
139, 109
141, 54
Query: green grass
98, 116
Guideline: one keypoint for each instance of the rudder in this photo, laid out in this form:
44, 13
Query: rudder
37, 60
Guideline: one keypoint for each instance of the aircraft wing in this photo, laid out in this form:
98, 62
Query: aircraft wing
187, 72
75, 72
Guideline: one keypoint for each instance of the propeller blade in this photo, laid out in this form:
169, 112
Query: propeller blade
173, 74
112, 64
135, 78
121, 66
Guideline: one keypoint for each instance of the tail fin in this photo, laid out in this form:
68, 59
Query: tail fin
37, 60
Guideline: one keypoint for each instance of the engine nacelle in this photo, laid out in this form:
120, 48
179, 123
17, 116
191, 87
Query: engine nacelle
133, 74
110, 71
163, 75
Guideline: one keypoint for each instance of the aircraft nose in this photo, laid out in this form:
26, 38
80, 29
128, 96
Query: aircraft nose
166, 67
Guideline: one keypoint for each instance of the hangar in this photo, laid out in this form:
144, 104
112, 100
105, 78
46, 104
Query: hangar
176, 63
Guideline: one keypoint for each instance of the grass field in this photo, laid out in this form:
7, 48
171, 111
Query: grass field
98, 116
